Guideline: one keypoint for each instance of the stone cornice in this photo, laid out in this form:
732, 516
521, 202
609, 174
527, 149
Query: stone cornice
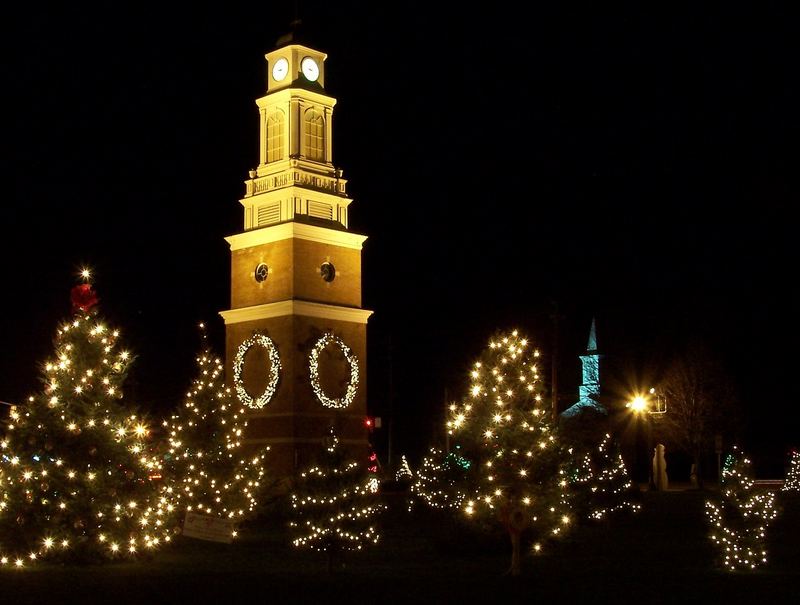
296, 307
292, 229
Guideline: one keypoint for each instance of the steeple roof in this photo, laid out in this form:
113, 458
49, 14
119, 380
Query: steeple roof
591, 347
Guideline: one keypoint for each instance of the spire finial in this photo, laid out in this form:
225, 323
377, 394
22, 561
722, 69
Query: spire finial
592, 345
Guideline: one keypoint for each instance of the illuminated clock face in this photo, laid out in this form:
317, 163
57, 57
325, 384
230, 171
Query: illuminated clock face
280, 69
310, 69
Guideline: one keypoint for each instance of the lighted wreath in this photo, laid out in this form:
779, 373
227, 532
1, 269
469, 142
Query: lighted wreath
313, 366
265, 341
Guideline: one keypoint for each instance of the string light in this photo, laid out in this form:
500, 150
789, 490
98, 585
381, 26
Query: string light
208, 470
85, 428
792, 482
264, 341
333, 505
440, 479
740, 516
601, 484
517, 479
313, 368
404, 471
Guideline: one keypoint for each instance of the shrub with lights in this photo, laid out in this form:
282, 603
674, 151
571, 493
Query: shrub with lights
740, 517
792, 482
440, 480
600, 484
334, 505
206, 470
75, 468
517, 478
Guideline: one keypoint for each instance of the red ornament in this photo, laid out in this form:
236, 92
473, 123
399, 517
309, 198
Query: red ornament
83, 298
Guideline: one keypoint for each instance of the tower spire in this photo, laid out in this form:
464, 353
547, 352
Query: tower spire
592, 344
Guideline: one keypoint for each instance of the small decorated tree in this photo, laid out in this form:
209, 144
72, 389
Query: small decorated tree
75, 473
792, 482
404, 474
440, 480
740, 517
504, 427
334, 506
205, 468
600, 484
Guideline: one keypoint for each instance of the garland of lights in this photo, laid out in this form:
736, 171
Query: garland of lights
274, 371
313, 367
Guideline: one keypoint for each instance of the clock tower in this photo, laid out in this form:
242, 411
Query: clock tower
296, 331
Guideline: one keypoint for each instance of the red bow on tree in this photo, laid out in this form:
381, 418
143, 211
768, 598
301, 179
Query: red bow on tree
83, 298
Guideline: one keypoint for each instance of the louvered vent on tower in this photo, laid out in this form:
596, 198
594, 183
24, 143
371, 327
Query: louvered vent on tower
269, 214
320, 210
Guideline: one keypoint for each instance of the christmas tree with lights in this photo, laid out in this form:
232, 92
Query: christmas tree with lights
792, 482
404, 474
205, 468
740, 517
440, 480
600, 484
517, 478
334, 505
75, 468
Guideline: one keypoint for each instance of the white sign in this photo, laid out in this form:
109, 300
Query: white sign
205, 527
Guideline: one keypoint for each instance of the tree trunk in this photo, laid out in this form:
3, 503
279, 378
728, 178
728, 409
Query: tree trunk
516, 567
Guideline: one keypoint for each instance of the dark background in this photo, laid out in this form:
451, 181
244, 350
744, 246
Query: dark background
626, 163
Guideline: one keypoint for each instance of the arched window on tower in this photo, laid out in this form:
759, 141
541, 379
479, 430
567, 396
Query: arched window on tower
275, 136
314, 135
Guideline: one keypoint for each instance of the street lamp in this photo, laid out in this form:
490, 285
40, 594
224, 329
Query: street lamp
640, 406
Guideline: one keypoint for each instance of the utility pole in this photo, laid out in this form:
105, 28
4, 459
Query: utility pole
447, 431
390, 428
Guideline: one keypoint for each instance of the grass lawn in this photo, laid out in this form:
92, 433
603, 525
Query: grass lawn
660, 555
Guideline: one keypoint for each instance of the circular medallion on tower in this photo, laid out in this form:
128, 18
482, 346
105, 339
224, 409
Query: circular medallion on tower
310, 69
261, 273
265, 342
313, 370
328, 271
280, 69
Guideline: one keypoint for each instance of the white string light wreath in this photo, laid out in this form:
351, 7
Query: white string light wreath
265, 341
313, 367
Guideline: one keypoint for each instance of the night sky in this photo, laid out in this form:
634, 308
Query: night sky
623, 163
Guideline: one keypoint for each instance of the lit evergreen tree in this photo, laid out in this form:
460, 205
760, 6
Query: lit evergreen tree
505, 431
440, 480
206, 470
601, 484
792, 482
404, 473
334, 505
74, 465
740, 516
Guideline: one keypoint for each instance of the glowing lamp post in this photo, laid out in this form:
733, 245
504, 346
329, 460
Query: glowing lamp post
640, 406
